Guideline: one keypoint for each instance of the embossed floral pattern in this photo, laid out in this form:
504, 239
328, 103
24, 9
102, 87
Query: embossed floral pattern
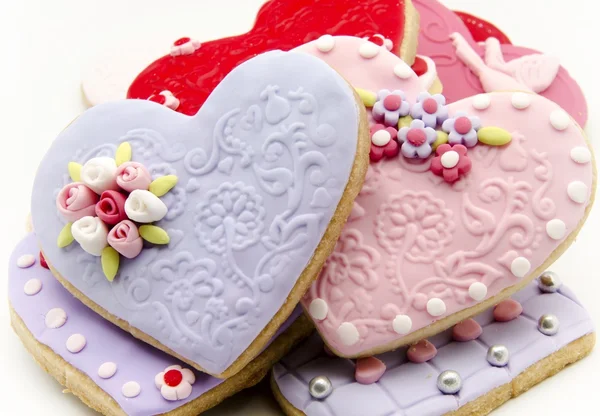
231, 216
414, 223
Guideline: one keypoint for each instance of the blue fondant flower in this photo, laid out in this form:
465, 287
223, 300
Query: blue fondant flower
430, 108
390, 106
417, 140
462, 129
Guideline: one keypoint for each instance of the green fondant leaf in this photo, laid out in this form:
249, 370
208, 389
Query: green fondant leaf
162, 185
123, 153
74, 171
154, 234
110, 263
65, 237
493, 136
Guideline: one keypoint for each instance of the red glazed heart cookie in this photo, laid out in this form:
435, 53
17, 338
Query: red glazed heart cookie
470, 202
192, 74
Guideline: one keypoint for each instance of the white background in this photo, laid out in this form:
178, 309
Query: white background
45, 43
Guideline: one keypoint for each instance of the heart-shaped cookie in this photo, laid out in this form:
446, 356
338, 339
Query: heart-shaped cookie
494, 64
463, 205
200, 234
192, 72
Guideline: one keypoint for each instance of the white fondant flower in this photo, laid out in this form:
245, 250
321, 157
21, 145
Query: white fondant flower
145, 207
175, 383
91, 234
100, 174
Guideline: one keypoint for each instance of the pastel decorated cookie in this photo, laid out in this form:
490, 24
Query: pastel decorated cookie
191, 75
466, 68
200, 234
464, 377
109, 370
464, 203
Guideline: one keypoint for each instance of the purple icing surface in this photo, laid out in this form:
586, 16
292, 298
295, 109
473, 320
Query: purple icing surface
136, 360
409, 389
261, 169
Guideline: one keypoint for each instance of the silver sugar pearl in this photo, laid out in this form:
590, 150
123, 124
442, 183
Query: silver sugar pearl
549, 282
497, 355
320, 387
548, 324
449, 382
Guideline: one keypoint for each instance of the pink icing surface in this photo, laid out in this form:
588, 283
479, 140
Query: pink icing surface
438, 22
466, 330
421, 352
413, 237
369, 370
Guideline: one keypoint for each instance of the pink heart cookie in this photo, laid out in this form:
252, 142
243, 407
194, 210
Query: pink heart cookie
437, 238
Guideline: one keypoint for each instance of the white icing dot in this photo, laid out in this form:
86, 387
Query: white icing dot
107, 370
368, 49
32, 287
436, 307
318, 309
581, 154
402, 324
559, 119
450, 159
520, 267
577, 191
481, 101
131, 389
521, 100
556, 229
381, 138
477, 291
55, 318
25, 261
348, 333
403, 71
76, 343
325, 43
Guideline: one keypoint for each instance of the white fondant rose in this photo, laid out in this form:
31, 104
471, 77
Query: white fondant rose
100, 174
145, 207
91, 234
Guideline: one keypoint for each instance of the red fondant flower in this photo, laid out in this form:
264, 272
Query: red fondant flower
451, 162
383, 142
111, 207
125, 238
76, 201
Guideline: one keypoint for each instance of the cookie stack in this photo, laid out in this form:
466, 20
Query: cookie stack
193, 234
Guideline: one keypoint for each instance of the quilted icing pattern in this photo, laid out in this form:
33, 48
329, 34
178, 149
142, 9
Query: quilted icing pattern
409, 389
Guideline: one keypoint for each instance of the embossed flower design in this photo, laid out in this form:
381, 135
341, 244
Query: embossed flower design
352, 259
216, 308
416, 140
231, 216
181, 293
431, 109
383, 142
414, 224
390, 106
462, 129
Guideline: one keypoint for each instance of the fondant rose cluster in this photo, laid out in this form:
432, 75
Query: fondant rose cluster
109, 207
425, 127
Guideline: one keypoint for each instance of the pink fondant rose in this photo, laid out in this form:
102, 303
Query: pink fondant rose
111, 207
132, 176
125, 238
76, 201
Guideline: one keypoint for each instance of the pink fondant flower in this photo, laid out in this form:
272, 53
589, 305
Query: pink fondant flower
383, 142
175, 383
451, 162
76, 201
111, 207
132, 176
125, 238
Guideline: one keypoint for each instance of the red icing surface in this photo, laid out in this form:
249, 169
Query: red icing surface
43, 261
507, 310
467, 330
482, 29
280, 24
421, 352
419, 66
438, 22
